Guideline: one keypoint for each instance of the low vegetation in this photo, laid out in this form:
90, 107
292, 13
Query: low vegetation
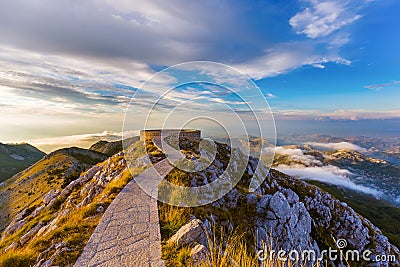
73, 227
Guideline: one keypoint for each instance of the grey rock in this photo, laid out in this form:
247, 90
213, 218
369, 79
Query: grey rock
30, 233
190, 233
263, 203
199, 254
100, 209
50, 196
12, 246
252, 199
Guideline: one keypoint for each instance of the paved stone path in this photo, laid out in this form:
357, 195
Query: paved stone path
129, 232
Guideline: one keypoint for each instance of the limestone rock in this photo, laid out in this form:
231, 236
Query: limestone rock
50, 196
284, 222
199, 253
190, 233
30, 233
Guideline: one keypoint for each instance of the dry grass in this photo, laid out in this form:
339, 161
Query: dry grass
75, 229
233, 250
226, 249
230, 250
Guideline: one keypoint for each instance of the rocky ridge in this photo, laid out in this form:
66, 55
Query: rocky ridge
286, 212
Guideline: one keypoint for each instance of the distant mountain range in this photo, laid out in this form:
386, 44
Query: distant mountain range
17, 157
347, 168
387, 148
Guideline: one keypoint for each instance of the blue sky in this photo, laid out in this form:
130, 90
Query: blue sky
68, 69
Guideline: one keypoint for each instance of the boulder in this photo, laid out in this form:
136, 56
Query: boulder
199, 254
190, 233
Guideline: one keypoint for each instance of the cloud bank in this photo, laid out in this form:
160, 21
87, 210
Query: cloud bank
329, 175
308, 167
337, 146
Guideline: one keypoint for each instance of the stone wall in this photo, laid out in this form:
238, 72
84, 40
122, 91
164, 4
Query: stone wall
184, 133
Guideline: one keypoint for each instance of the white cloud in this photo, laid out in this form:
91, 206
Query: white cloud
380, 86
338, 40
327, 174
294, 154
270, 96
337, 146
308, 167
321, 18
285, 57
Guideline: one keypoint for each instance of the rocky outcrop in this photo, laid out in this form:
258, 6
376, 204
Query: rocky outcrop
308, 220
199, 253
53, 193
54, 251
284, 223
291, 214
193, 234
189, 234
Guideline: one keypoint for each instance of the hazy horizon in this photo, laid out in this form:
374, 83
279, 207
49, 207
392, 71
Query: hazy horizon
341, 129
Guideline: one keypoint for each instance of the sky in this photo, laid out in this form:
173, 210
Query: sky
68, 69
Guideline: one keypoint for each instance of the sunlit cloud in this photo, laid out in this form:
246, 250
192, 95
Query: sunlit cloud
308, 167
328, 174
80, 140
321, 18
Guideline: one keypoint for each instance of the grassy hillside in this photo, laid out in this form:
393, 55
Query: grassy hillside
54, 171
17, 157
68, 222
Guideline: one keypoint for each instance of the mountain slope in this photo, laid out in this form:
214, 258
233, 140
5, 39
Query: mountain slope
17, 157
54, 228
284, 213
112, 148
367, 184
53, 172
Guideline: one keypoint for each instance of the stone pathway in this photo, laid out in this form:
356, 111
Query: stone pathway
129, 232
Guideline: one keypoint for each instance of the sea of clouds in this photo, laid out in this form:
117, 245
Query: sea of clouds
308, 167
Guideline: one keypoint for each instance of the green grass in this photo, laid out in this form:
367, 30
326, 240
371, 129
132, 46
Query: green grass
10, 166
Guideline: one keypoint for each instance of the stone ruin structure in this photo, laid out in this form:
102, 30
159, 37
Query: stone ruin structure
190, 134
